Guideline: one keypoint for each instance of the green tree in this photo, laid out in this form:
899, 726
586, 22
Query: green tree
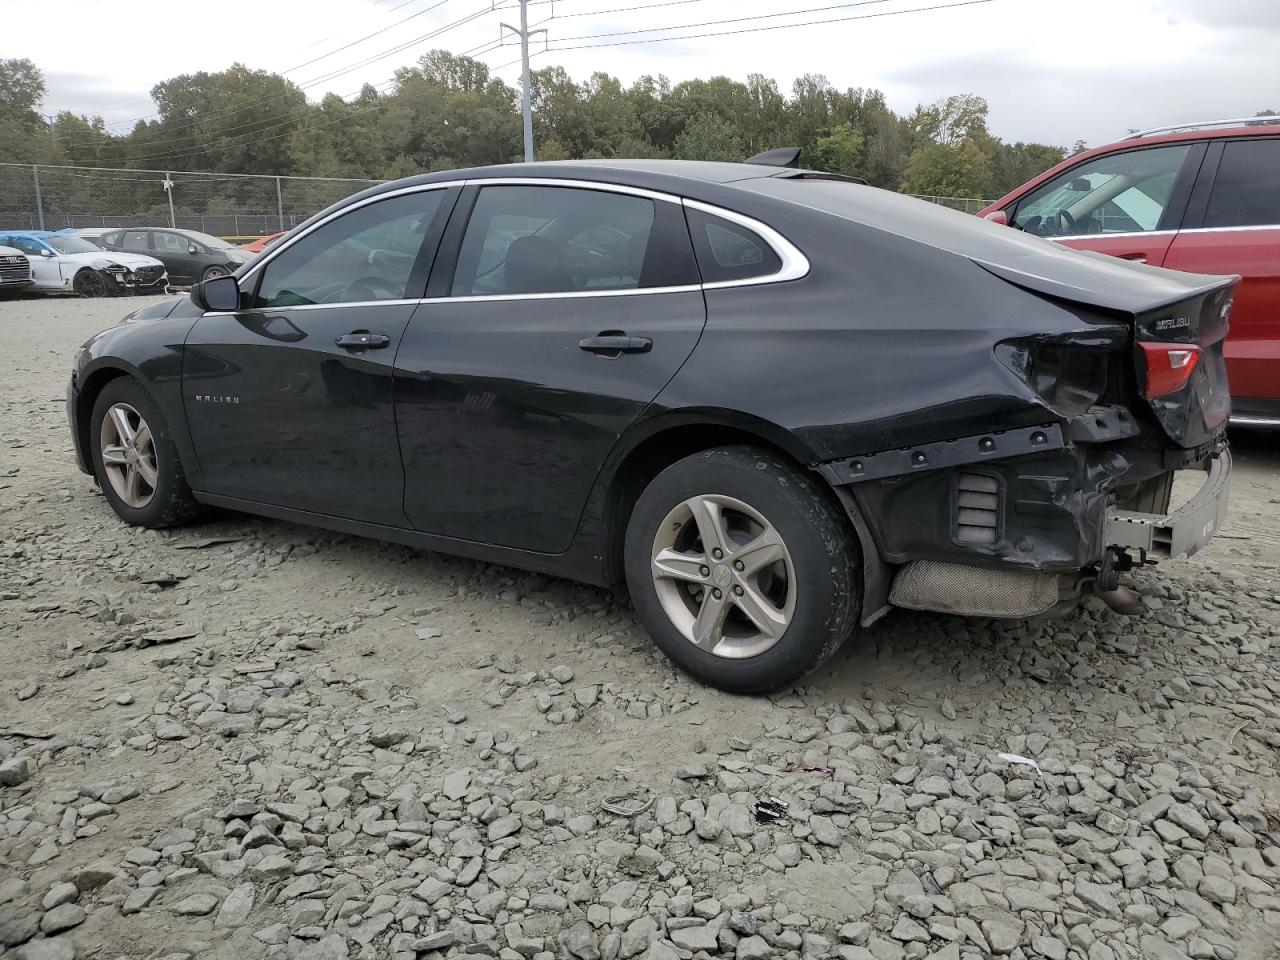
948, 170
710, 137
840, 151
24, 138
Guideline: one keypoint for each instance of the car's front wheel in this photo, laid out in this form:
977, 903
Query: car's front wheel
89, 283
742, 570
212, 272
135, 459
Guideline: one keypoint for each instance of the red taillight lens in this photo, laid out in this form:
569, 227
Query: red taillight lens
1169, 366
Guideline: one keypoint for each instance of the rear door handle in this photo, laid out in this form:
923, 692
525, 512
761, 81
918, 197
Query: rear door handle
1134, 257
614, 343
363, 340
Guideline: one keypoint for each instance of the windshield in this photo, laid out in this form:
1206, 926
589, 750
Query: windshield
213, 243
72, 245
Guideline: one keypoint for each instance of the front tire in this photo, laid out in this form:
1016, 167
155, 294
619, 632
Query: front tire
212, 272
89, 283
135, 459
742, 570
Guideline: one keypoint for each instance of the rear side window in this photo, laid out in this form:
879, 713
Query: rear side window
1246, 191
727, 251
525, 240
132, 240
112, 238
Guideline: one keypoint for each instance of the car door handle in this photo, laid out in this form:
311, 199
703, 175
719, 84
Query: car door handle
615, 343
362, 340
1134, 257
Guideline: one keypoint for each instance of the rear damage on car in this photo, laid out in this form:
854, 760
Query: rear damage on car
1033, 517
1019, 412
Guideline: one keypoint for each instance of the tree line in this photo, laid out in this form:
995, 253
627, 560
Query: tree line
449, 111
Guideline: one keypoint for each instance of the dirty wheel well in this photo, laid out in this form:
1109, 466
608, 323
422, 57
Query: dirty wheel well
654, 455
88, 395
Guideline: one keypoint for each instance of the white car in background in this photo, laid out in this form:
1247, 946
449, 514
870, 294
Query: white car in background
64, 263
15, 270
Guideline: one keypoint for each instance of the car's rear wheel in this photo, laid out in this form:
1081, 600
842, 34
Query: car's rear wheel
742, 570
89, 283
135, 459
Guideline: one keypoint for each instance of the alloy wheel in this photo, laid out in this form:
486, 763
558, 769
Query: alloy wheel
724, 576
128, 455
213, 272
89, 283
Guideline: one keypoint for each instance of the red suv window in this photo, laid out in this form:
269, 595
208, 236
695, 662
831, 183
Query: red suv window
1246, 191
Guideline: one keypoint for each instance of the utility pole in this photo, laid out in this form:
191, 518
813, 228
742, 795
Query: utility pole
526, 106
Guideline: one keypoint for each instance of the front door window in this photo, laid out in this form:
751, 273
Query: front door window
365, 255
1117, 193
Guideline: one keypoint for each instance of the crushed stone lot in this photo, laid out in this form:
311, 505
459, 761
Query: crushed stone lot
250, 739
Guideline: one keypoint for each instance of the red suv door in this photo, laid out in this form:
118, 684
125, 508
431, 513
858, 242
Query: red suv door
1232, 225
1126, 203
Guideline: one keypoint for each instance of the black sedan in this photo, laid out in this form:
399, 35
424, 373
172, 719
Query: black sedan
772, 403
188, 255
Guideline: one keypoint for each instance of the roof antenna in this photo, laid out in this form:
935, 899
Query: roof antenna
778, 157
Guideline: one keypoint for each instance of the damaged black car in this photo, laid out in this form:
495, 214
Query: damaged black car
773, 404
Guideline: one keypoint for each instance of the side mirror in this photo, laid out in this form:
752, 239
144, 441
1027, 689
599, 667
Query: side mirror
219, 293
192, 248
45, 252
998, 216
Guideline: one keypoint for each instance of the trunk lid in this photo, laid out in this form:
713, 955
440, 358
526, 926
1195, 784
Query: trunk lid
1166, 310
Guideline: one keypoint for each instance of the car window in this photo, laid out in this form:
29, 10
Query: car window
133, 240
71, 244
170, 242
367, 254
727, 251
1117, 193
1246, 191
112, 238
28, 246
522, 240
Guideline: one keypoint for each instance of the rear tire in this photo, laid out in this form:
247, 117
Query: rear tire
771, 597
135, 459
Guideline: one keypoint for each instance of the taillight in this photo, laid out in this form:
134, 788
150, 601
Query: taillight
1169, 366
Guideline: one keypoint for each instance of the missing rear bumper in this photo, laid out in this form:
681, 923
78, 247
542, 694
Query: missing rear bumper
1185, 530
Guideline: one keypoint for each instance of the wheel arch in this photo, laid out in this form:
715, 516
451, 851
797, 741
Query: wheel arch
90, 383
656, 444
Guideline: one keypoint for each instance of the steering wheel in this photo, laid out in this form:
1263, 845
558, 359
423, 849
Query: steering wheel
1067, 221
370, 288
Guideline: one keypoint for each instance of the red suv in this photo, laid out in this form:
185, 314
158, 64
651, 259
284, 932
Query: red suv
1203, 198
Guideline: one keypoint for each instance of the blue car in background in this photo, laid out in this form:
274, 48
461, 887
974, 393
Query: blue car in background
64, 263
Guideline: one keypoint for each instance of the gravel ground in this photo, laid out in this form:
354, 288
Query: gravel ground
251, 739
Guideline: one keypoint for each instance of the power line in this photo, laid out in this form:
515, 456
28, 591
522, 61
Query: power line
367, 36
757, 29
338, 72
190, 124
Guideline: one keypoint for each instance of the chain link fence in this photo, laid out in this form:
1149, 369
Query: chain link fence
963, 204
40, 197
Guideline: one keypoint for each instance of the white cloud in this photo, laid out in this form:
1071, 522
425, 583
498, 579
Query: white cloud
1052, 71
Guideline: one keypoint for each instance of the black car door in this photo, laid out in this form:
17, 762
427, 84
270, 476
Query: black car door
289, 399
556, 313
174, 251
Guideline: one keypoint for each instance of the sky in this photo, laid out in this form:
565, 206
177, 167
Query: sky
1053, 71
